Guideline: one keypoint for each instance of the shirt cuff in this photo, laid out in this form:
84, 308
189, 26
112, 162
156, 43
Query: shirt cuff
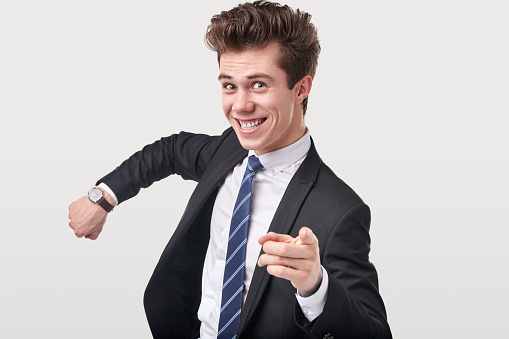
313, 305
107, 189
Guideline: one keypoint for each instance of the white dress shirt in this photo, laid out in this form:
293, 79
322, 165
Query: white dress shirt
268, 187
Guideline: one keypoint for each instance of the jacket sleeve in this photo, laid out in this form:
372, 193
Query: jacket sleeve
185, 154
354, 307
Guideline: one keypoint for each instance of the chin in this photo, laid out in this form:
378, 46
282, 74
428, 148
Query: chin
246, 144
250, 145
249, 141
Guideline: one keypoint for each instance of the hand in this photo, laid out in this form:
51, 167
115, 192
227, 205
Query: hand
87, 218
294, 259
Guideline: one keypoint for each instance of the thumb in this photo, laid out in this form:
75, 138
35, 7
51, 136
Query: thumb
306, 236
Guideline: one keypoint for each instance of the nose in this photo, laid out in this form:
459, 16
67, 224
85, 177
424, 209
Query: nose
243, 102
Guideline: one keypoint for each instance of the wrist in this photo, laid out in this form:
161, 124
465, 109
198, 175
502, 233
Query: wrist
109, 198
107, 189
98, 196
315, 288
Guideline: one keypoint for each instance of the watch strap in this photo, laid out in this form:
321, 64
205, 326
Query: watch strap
105, 204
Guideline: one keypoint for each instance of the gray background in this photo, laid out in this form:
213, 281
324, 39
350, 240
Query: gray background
409, 106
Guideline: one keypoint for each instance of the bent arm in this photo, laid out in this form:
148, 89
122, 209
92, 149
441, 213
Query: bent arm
185, 154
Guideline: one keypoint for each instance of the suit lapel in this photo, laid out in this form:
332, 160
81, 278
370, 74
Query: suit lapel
282, 223
209, 182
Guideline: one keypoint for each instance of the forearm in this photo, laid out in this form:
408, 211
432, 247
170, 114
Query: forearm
140, 170
184, 154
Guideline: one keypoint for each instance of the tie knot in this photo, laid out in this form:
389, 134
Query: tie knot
254, 164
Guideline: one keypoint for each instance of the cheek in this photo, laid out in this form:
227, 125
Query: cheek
227, 104
280, 104
284, 114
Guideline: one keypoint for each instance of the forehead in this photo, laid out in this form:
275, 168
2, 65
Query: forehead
243, 63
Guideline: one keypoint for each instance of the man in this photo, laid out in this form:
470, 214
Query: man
303, 269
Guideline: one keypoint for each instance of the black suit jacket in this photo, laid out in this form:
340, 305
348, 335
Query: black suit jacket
315, 197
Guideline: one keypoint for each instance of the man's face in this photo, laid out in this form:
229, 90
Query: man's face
264, 112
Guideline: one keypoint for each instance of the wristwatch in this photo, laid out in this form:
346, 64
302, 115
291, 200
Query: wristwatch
96, 195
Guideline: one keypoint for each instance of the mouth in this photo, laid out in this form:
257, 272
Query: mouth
249, 125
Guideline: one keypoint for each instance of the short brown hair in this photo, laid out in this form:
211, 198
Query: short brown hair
257, 24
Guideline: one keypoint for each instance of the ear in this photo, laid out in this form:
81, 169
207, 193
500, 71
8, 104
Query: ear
303, 88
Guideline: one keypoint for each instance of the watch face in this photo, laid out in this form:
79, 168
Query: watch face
95, 194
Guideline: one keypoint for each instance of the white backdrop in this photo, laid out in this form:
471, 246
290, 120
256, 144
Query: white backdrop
409, 106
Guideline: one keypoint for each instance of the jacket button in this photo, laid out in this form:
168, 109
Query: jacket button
328, 336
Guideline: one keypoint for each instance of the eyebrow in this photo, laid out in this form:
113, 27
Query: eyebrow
223, 76
249, 77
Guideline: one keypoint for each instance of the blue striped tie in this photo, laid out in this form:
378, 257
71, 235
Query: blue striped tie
233, 280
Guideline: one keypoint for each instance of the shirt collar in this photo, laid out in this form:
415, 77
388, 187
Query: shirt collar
279, 160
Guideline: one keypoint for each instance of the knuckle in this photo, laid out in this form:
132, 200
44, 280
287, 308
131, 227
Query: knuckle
316, 255
275, 270
261, 259
283, 251
302, 275
311, 255
280, 270
265, 248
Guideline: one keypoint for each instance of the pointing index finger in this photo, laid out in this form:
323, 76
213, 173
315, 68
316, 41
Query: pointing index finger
271, 236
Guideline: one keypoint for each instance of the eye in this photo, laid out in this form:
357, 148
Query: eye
229, 87
258, 85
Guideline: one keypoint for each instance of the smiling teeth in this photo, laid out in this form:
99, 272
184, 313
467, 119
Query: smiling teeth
250, 125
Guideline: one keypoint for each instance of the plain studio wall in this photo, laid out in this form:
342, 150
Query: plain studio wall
409, 106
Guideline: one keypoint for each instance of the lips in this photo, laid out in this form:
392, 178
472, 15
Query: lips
248, 125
